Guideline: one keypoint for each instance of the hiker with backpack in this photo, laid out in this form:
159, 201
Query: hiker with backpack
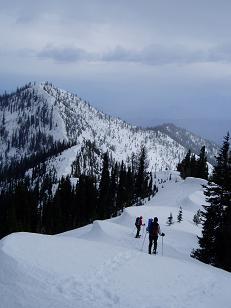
138, 225
154, 231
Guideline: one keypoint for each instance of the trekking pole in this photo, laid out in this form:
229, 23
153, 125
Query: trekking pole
143, 241
143, 230
162, 234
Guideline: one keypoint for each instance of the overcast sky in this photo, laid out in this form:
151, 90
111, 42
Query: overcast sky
145, 61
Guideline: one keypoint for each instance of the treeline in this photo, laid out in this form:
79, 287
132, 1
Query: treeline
215, 242
39, 206
192, 167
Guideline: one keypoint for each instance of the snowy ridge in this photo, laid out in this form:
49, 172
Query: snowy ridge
189, 140
102, 264
37, 115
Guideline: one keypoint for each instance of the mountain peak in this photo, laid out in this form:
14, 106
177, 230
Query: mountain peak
39, 114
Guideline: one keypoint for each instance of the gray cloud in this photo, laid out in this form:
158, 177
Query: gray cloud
155, 54
65, 54
220, 52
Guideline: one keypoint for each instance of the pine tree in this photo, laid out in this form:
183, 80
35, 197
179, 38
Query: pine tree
190, 166
185, 166
104, 189
197, 217
180, 215
170, 220
130, 187
141, 186
113, 190
214, 246
150, 187
193, 166
202, 166
121, 193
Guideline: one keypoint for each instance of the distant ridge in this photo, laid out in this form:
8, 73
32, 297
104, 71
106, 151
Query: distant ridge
189, 140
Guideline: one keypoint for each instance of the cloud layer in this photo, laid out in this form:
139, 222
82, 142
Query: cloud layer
140, 60
155, 54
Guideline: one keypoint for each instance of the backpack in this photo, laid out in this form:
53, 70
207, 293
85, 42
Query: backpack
150, 221
137, 223
154, 229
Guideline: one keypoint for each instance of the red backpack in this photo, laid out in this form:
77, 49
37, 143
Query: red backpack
155, 229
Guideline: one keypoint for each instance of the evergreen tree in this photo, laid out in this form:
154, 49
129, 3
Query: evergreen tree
216, 234
85, 207
193, 166
202, 166
184, 167
104, 190
180, 215
190, 166
130, 187
121, 194
113, 190
170, 220
197, 217
141, 186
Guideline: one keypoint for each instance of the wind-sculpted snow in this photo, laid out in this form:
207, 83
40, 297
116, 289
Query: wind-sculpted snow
192, 199
126, 219
103, 264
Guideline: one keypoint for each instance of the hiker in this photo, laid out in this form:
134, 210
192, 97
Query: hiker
138, 225
154, 231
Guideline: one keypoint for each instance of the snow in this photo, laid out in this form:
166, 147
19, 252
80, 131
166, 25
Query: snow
102, 264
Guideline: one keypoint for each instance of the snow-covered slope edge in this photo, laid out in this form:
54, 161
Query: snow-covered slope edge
102, 265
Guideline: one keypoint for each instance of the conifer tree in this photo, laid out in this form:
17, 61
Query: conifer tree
180, 215
113, 190
214, 246
130, 187
193, 166
170, 220
184, 167
142, 175
121, 193
190, 166
104, 190
197, 217
202, 167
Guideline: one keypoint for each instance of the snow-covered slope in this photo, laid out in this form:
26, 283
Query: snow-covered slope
102, 264
36, 116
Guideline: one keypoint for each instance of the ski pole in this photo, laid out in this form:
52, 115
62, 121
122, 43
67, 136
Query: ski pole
143, 230
162, 245
143, 241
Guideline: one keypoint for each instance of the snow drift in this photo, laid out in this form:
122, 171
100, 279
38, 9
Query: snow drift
102, 264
